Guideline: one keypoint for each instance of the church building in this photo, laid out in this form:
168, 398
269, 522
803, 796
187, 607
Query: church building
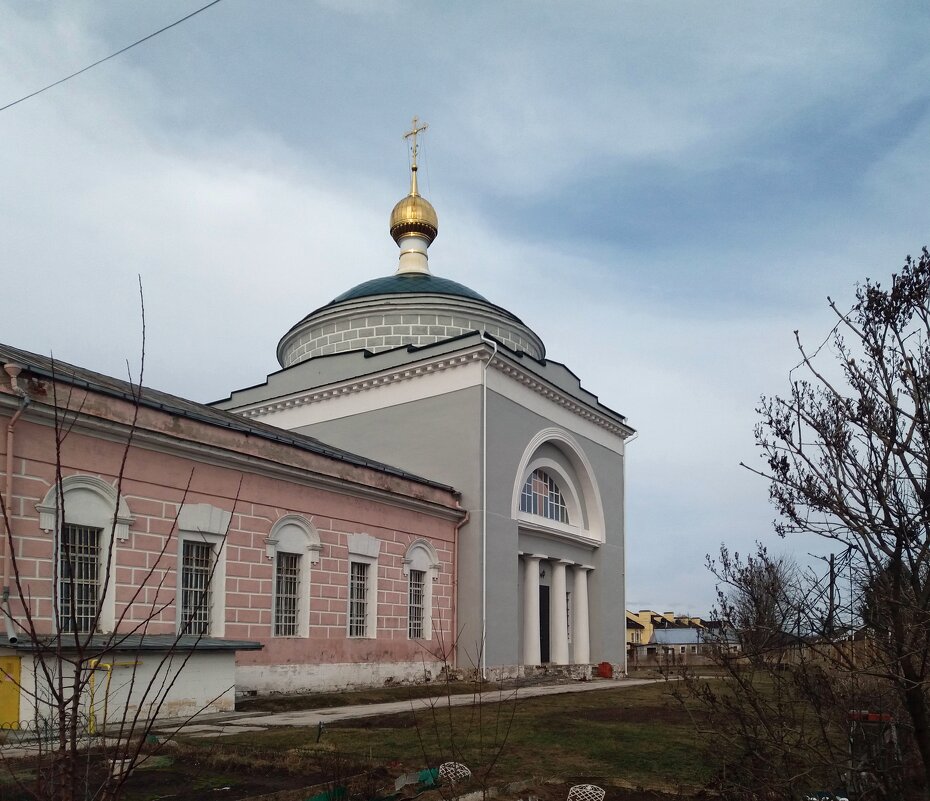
418, 486
426, 374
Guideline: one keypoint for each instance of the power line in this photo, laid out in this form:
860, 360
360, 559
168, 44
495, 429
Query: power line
112, 55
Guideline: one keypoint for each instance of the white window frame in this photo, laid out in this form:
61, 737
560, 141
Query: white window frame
278, 597
201, 522
416, 604
359, 594
294, 534
422, 556
82, 500
364, 549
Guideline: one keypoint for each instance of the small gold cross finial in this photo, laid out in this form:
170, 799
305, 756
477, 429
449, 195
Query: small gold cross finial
414, 130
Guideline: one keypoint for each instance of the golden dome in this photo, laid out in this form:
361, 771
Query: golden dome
414, 214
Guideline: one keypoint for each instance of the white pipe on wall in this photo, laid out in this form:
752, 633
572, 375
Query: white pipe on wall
484, 503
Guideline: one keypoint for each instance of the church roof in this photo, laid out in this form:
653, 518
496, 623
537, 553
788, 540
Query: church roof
409, 283
55, 370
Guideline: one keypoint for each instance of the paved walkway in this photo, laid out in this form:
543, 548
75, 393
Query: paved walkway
243, 722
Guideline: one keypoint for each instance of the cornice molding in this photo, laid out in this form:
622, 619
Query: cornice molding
533, 525
431, 366
541, 387
339, 389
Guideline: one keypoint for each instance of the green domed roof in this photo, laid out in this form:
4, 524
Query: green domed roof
418, 283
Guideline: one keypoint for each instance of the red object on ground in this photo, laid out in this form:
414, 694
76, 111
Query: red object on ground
605, 670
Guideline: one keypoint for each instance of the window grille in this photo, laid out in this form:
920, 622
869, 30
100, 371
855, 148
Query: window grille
358, 599
542, 496
196, 569
287, 594
416, 605
79, 577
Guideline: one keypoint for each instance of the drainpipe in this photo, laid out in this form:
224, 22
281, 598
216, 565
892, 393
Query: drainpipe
484, 504
627, 441
13, 371
455, 588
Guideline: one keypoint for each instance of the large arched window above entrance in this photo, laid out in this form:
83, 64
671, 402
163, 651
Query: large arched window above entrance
556, 491
541, 496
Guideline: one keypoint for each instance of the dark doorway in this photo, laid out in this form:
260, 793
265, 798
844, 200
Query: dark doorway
543, 624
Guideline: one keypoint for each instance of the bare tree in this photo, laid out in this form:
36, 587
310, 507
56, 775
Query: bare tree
75, 745
757, 602
847, 458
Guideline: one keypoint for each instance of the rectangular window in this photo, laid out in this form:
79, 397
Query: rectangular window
415, 605
286, 594
79, 577
681, 649
358, 599
693, 649
196, 567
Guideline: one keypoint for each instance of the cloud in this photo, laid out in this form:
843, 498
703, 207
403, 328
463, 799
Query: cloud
663, 192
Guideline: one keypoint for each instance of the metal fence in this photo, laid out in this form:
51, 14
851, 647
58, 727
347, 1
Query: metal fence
38, 732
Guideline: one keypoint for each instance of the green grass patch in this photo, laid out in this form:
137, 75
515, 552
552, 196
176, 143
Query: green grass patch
638, 734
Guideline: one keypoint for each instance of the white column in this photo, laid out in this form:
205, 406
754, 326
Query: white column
582, 646
531, 608
558, 615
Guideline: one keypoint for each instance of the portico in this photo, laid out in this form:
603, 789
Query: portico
563, 650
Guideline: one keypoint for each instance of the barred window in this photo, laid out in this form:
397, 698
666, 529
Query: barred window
358, 599
542, 496
416, 604
79, 577
196, 568
286, 594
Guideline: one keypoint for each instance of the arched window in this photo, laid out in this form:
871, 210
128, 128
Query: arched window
293, 545
542, 496
421, 566
88, 517
555, 490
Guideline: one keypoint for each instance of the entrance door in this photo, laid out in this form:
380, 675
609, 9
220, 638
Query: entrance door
543, 624
9, 692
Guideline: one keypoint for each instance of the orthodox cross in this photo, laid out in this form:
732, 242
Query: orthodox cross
415, 129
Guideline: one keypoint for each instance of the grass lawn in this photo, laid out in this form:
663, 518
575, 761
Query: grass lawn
618, 738
638, 736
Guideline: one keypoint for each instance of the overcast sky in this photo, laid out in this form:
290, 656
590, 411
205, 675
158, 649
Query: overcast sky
662, 190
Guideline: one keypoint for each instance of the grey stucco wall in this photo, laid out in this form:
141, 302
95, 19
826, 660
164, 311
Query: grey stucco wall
440, 438
510, 430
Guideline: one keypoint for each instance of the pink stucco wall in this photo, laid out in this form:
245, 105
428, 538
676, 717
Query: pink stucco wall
267, 481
